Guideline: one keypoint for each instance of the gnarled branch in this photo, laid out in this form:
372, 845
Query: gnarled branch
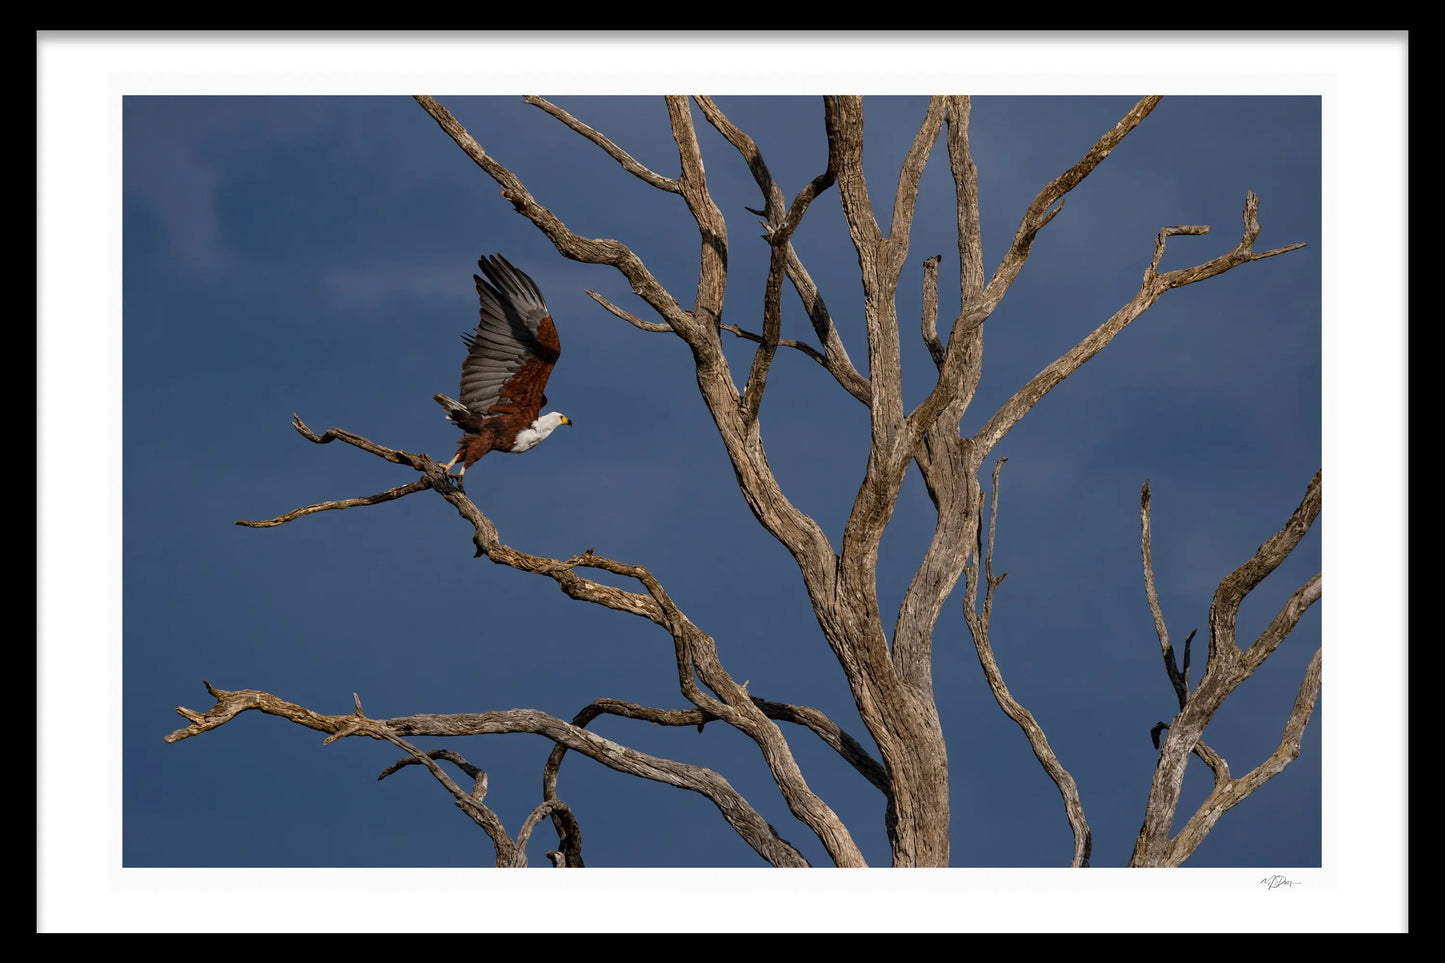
1228, 793
833, 357
1178, 679
1228, 668
485, 535
978, 625
739, 814
833, 735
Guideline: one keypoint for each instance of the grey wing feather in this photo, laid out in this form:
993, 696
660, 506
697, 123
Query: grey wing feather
517, 290
506, 334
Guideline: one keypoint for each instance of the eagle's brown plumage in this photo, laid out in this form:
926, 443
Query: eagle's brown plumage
509, 358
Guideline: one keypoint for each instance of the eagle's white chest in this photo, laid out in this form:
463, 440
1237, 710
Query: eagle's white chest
529, 438
532, 436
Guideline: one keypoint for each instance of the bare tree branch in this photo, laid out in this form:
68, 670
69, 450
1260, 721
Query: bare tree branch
560, 812
802, 346
881, 258
697, 661
485, 533
394, 455
1039, 212
377, 499
1153, 288
569, 244
827, 730
978, 624
1243, 580
628, 162
839, 365
949, 465
741, 816
779, 238
893, 691
713, 259
1242, 253
834, 736
478, 776
629, 317
1229, 667
965, 186
508, 851
1229, 793
799, 533
1181, 688
834, 356
1284, 622
930, 309
979, 301
1180, 680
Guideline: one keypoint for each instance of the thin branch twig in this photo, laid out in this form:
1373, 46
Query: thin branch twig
1152, 595
629, 317
628, 162
386, 496
834, 356
978, 626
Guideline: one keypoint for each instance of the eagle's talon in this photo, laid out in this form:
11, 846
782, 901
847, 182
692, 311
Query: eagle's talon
456, 480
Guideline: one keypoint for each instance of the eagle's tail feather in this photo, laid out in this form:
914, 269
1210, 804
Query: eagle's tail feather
457, 412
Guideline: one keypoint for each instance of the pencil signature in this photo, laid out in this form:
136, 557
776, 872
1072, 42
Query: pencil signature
1274, 882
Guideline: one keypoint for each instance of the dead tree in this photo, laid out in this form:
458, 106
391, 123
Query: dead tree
889, 673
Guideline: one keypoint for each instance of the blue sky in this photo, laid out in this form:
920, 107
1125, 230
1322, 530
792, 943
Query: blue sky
313, 255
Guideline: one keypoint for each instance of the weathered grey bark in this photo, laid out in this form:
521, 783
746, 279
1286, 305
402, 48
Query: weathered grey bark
735, 809
978, 626
890, 676
1228, 667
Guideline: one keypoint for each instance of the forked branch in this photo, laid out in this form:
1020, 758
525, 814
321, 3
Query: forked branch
779, 226
568, 243
1151, 290
833, 735
1043, 209
1228, 793
1228, 668
485, 536
1179, 680
739, 814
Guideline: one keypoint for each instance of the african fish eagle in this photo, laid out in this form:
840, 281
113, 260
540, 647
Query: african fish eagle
509, 358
